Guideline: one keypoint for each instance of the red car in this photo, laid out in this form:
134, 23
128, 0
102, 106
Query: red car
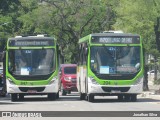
68, 78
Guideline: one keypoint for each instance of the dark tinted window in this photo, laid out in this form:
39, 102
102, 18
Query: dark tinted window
70, 70
31, 62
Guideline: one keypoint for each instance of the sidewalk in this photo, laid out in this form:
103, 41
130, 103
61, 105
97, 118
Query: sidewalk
154, 89
154, 92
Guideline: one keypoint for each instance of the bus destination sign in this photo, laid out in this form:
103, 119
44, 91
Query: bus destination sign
115, 40
21, 43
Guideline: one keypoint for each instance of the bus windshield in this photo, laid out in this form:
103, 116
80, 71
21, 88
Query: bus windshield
115, 60
31, 62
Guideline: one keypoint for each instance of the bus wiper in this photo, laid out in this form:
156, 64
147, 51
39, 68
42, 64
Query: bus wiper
115, 75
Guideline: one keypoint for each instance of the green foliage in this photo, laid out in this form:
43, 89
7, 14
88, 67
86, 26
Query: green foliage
139, 17
8, 15
70, 20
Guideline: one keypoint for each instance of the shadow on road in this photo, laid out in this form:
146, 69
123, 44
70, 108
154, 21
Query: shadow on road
72, 97
69, 98
61, 98
148, 100
8, 103
116, 100
37, 98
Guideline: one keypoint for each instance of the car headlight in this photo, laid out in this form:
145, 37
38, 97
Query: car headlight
93, 81
67, 78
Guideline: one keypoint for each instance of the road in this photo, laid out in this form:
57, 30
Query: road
73, 103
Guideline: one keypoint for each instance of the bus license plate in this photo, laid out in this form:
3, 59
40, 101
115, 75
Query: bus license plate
31, 91
115, 91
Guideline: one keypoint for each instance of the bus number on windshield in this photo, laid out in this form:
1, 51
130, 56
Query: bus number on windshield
106, 82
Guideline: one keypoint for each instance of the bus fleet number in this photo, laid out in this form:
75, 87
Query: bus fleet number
107, 83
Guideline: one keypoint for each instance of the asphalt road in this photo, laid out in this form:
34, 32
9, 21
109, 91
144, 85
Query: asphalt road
73, 103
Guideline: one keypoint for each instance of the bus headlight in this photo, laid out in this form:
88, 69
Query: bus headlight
53, 80
93, 81
138, 81
10, 81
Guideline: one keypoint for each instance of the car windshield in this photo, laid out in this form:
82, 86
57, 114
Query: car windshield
115, 60
70, 70
31, 62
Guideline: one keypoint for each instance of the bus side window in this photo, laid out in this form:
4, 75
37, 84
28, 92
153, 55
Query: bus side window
81, 56
85, 54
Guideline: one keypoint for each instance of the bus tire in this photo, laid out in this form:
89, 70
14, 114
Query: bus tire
69, 92
127, 97
120, 97
14, 97
57, 95
90, 98
3, 92
21, 96
52, 96
133, 97
3, 95
63, 91
82, 96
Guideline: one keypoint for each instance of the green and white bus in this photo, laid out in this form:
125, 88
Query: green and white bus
32, 67
110, 64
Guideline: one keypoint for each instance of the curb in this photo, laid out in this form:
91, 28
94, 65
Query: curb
150, 94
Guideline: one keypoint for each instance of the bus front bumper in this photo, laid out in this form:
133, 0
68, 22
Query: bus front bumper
115, 89
50, 88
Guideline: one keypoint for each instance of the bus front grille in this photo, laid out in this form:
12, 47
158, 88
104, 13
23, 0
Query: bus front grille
25, 89
109, 89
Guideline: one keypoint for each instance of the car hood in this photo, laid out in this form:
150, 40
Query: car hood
70, 75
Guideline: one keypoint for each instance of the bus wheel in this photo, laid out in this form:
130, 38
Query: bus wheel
133, 97
69, 92
82, 96
90, 97
120, 97
3, 92
13, 97
57, 95
21, 96
127, 97
52, 96
63, 91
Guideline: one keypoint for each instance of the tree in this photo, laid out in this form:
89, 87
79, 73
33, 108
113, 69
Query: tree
68, 20
139, 17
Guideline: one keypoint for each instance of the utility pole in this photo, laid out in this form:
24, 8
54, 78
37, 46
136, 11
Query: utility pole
155, 68
157, 33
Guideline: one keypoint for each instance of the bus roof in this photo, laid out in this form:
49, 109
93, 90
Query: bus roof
86, 38
114, 34
31, 38
31, 41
